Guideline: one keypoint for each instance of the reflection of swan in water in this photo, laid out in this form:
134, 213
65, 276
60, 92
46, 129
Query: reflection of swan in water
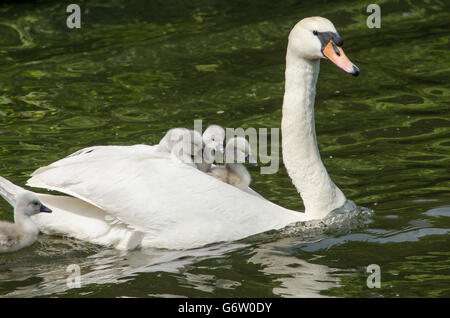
99, 265
297, 277
109, 266
278, 259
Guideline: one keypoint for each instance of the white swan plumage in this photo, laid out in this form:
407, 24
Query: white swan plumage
135, 196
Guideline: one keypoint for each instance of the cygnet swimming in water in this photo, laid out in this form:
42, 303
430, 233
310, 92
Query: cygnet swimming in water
234, 172
23, 232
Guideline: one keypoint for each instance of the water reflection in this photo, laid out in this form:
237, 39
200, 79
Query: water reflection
297, 277
293, 260
101, 266
49, 274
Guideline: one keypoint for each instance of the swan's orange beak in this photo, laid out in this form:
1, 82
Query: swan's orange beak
336, 55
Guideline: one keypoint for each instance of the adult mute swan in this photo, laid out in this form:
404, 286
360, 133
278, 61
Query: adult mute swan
135, 196
23, 232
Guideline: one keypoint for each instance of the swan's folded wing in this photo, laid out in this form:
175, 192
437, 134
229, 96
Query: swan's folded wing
86, 151
94, 153
253, 192
88, 173
167, 201
9, 191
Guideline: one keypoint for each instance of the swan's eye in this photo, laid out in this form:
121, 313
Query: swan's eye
315, 32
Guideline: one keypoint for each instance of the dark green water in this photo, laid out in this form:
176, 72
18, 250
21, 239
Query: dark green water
137, 68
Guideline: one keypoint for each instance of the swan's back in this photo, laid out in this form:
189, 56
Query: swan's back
173, 205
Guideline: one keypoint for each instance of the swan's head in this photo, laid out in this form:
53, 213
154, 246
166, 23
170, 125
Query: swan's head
315, 38
28, 204
213, 137
238, 150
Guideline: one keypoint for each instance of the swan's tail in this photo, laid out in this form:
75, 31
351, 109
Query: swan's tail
9, 191
76, 218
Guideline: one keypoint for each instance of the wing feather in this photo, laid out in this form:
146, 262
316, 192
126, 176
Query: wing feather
175, 205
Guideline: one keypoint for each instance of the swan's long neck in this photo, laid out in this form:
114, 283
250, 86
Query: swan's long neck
300, 152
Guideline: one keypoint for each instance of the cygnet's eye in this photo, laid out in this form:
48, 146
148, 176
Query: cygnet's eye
35, 203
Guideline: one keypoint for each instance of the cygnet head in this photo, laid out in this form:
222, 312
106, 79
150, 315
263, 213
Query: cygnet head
172, 137
191, 145
316, 38
28, 204
213, 137
238, 150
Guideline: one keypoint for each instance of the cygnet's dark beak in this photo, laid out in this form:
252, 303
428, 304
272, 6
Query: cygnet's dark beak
45, 209
251, 160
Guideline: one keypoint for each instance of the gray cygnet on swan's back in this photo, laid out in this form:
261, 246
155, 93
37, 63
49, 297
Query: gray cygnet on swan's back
213, 138
171, 138
23, 232
189, 148
184, 145
234, 172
